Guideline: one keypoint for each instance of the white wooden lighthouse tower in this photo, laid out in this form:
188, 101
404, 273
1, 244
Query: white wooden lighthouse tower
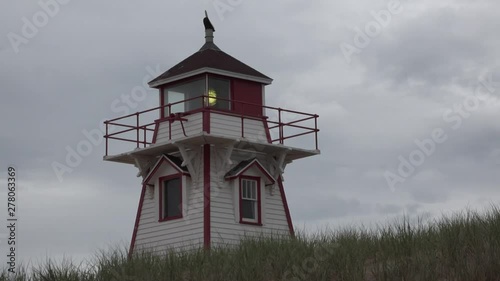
213, 158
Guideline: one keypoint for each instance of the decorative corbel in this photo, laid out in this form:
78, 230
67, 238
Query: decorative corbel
143, 164
223, 161
277, 167
229, 152
189, 157
278, 163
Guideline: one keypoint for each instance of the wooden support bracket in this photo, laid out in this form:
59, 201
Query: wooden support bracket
190, 155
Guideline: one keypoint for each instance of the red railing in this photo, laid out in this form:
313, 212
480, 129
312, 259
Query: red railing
131, 130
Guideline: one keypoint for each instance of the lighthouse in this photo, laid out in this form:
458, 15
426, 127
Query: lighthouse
212, 155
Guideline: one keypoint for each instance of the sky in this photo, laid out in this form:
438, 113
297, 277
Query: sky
408, 94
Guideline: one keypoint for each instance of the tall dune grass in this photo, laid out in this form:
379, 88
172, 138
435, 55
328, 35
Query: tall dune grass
464, 247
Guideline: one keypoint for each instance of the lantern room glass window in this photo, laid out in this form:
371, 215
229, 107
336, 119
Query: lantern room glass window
184, 97
177, 94
218, 93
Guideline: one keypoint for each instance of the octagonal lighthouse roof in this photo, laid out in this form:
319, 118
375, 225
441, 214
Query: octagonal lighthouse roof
210, 59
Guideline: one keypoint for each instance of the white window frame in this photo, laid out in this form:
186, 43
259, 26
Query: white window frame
255, 196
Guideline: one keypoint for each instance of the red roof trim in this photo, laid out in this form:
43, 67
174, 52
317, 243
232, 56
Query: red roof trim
259, 166
208, 59
158, 164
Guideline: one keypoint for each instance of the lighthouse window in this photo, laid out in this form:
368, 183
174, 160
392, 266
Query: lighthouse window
218, 93
177, 94
171, 199
249, 200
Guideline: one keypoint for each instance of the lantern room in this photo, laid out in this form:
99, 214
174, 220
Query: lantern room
223, 93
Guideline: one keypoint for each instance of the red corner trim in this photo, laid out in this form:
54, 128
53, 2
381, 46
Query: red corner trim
206, 120
285, 205
266, 127
137, 218
206, 196
155, 133
162, 103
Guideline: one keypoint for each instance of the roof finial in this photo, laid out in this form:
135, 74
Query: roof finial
209, 28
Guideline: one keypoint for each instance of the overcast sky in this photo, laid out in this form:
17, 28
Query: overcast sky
427, 72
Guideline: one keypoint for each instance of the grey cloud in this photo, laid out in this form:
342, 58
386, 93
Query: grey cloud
436, 47
329, 207
388, 208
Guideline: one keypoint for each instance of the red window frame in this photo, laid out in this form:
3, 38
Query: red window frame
161, 182
259, 201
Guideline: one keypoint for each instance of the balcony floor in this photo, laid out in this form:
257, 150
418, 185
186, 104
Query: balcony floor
156, 149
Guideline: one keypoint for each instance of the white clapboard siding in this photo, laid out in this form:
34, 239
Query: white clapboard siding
225, 226
230, 126
179, 234
220, 125
192, 126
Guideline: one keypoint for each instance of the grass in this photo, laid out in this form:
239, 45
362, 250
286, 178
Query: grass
465, 247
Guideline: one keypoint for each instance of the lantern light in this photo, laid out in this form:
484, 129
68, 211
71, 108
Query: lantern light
212, 97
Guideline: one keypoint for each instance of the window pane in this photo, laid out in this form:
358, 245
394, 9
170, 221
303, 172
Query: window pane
249, 189
218, 89
174, 97
183, 92
172, 198
248, 209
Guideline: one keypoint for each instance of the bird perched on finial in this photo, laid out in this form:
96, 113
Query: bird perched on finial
207, 23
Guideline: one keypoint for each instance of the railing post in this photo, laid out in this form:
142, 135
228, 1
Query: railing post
242, 126
206, 115
137, 114
280, 126
144, 136
169, 122
316, 130
106, 137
